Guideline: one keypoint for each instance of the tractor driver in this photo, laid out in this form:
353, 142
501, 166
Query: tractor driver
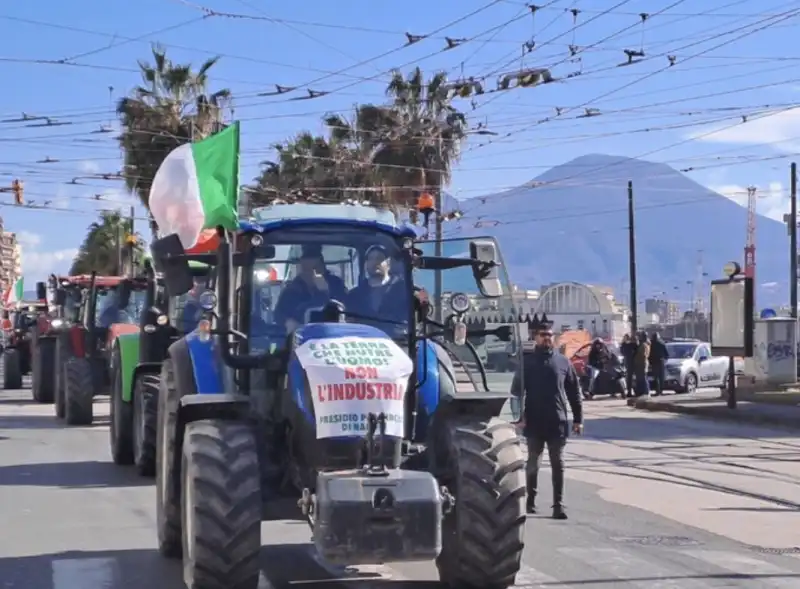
313, 287
380, 295
113, 313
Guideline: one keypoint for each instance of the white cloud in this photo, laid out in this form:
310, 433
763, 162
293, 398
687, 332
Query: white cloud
38, 265
779, 129
28, 240
89, 167
772, 200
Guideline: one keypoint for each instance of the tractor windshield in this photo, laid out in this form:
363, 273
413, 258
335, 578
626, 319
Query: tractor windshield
109, 312
496, 355
361, 267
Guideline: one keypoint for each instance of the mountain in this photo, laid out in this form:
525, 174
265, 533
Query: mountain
570, 223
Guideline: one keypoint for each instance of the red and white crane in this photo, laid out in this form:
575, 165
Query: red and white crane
750, 244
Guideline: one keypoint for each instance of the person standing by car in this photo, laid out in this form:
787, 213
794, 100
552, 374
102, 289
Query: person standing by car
628, 351
548, 385
640, 365
597, 360
658, 358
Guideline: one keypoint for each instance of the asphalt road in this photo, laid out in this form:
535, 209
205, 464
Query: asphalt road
656, 501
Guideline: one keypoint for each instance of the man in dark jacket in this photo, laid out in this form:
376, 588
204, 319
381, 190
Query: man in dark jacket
658, 359
628, 351
380, 296
597, 360
549, 384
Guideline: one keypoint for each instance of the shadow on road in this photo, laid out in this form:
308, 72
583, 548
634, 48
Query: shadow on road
28, 421
71, 475
282, 566
756, 509
618, 581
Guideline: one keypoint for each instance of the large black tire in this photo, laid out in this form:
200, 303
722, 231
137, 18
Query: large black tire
168, 500
145, 422
221, 499
483, 537
121, 426
43, 351
78, 392
12, 373
62, 355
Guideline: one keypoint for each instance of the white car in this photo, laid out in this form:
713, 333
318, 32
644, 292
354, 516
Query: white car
691, 366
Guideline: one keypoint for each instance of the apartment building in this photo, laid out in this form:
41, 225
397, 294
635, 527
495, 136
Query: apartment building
10, 258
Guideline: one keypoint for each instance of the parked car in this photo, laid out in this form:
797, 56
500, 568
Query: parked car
691, 365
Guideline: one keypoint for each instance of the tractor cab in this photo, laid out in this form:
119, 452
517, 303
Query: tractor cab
327, 375
19, 326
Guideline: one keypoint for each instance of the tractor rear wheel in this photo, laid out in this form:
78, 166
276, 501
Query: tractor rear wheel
168, 500
483, 536
121, 427
145, 421
78, 392
12, 373
221, 506
41, 376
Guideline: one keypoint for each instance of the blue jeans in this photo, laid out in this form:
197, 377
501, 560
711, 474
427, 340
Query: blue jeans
642, 385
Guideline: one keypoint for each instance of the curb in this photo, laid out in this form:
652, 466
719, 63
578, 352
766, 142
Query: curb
718, 413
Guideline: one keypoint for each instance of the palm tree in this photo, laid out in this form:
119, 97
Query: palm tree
170, 108
415, 141
99, 251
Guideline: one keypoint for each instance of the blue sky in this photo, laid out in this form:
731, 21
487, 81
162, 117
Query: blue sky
646, 107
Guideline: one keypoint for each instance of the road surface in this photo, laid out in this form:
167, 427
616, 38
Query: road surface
656, 501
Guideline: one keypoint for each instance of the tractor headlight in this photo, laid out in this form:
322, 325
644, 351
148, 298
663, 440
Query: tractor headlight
162, 320
208, 300
256, 240
56, 323
459, 302
408, 243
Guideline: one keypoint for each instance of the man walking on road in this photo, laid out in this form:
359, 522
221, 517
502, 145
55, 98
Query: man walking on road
549, 383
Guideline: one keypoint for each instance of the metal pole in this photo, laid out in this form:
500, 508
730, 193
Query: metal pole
632, 261
437, 251
131, 247
731, 383
120, 245
793, 244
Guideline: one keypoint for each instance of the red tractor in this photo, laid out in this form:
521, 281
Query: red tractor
91, 311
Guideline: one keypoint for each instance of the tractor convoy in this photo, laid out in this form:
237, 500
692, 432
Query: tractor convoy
240, 389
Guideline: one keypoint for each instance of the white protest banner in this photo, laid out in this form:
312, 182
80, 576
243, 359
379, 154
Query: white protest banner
351, 377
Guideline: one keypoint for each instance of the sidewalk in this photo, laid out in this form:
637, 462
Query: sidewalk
710, 405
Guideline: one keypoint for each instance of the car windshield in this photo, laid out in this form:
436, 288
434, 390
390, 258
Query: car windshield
359, 266
681, 350
108, 311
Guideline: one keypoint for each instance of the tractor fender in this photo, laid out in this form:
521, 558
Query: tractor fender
205, 362
128, 345
143, 368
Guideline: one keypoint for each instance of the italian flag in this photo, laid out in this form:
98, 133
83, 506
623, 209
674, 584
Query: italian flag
197, 187
14, 293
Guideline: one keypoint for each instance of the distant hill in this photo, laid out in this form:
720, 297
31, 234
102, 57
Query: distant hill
576, 228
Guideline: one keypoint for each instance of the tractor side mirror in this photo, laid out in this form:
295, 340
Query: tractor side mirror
503, 333
61, 297
41, 291
169, 258
485, 267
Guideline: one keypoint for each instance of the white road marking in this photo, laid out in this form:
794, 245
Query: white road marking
529, 578
83, 573
632, 571
774, 576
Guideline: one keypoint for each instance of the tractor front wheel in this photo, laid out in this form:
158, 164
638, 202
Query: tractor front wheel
78, 392
221, 505
12, 373
145, 421
121, 428
482, 464
61, 356
41, 376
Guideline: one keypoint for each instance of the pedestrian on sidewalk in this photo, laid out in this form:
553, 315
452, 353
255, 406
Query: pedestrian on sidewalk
549, 383
640, 365
628, 351
658, 359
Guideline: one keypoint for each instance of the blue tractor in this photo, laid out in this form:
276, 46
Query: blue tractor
359, 409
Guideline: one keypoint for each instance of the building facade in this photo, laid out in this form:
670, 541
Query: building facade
667, 311
10, 258
572, 305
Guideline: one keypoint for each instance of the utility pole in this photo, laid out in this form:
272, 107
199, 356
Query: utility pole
437, 251
120, 241
132, 242
632, 261
793, 243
